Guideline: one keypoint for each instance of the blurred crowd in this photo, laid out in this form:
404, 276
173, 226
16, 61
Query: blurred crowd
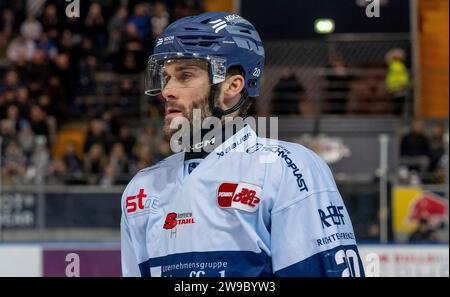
49, 65
110, 155
361, 88
423, 157
55, 69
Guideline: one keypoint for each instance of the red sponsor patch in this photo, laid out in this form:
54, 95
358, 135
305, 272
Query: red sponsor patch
141, 203
133, 203
174, 219
225, 194
239, 195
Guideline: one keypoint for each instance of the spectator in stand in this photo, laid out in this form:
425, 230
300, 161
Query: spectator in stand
397, 81
141, 19
415, 143
109, 176
20, 65
48, 46
71, 160
88, 64
128, 87
7, 21
14, 165
373, 231
95, 25
437, 147
7, 132
3, 46
127, 139
160, 18
185, 8
11, 80
55, 95
97, 134
7, 128
38, 121
338, 79
94, 163
31, 28
286, 94
26, 138
110, 122
58, 172
23, 101
13, 115
36, 89
9, 97
47, 105
368, 93
424, 232
142, 157
116, 27
50, 22
132, 51
147, 136
119, 20
87, 49
38, 70
68, 80
39, 160
119, 158
415, 147
75, 25
67, 41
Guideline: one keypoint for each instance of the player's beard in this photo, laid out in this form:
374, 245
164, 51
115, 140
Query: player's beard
187, 112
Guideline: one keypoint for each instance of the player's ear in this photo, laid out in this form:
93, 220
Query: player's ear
232, 87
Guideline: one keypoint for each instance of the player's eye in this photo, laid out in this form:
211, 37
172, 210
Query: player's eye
185, 76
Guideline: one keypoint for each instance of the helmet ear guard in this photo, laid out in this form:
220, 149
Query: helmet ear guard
219, 112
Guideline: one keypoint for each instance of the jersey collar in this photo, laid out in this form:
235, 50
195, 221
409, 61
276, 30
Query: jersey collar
221, 141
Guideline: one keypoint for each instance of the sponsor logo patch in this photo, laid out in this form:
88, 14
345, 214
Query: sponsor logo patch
241, 196
175, 219
141, 203
332, 215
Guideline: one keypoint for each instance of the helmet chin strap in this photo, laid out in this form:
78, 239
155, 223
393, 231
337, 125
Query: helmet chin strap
216, 112
219, 112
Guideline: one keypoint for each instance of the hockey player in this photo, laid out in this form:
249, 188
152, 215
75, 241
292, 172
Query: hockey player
247, 206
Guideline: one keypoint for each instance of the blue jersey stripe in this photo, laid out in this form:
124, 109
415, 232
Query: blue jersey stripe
326, 264
209, 264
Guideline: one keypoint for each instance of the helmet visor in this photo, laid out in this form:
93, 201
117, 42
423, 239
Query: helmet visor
181, 70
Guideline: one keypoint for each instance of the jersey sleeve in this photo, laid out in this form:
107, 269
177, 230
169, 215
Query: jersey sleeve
128, 242
311, 231
130, 266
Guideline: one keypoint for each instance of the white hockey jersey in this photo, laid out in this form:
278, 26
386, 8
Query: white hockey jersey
252, 207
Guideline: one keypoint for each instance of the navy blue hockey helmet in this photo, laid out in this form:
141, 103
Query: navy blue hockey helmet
222, 39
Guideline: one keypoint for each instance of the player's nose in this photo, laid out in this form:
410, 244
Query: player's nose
169, 92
